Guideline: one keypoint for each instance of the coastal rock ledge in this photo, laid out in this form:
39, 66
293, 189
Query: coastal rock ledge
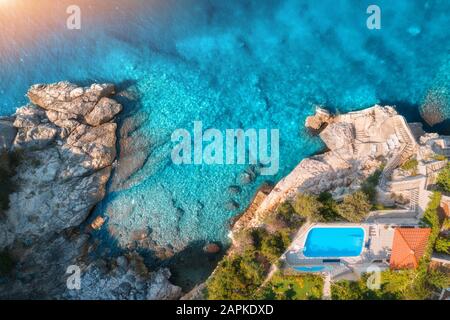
358, 143
65, 140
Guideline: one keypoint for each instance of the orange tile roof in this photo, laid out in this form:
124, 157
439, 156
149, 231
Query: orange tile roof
408, 247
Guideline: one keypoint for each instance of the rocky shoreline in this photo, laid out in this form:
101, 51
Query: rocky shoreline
66, 142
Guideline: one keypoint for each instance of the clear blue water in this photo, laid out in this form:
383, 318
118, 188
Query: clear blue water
310, 269
230, 64
334, 242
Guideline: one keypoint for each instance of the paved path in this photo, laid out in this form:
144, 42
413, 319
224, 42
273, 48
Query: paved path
326, 293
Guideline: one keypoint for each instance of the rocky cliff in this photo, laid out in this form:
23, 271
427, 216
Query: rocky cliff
359, 143
66, 142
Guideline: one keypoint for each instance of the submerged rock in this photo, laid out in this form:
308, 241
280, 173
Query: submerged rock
234, 189
212, 248
435, 107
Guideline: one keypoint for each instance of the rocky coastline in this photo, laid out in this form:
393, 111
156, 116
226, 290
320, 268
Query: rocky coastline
358, 143
65, 142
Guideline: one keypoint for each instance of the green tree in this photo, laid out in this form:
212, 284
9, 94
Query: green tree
271, 245
308, 206
369, 187
355, 207
236, 278
438, 279
443, 179
328, 211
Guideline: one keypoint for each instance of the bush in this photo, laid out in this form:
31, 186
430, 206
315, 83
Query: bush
284, 218
438, 280
369, 187
439, 157
411, 166
328, 211
442, 245
443, 179
308, 206
236, 278
271, 245
355, 207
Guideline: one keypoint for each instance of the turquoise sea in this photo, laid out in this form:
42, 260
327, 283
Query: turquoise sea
230, 64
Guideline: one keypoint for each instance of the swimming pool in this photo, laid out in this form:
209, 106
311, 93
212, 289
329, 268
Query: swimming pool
310, 269
334, 242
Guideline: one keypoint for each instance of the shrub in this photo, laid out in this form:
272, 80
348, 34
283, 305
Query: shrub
442, 245
284, 218
369, 187
355, 207
236, 278
446, 223
328, 211
411, 166
439, 157
443, 179
308, 206
438, 279
271, 245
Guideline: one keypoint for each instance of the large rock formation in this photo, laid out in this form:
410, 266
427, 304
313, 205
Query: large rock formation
65, 162
66, 141
358, 142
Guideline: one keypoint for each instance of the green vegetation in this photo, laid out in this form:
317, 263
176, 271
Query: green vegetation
439, 157
443, 179
411, 166
329, 209
324, 208
369, 187
271, 245
442, 245
240, 274
446, 224
308, 206
6, 263
8, 164
292, 287
355, 207
416, 284
236, 278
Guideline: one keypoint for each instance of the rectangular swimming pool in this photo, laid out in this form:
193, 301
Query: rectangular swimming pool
325, 242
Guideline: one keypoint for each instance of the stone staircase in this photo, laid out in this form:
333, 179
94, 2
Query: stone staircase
414, 200
406, 151
361, 135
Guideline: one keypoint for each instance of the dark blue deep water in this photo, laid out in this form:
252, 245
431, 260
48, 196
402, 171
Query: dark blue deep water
231, 64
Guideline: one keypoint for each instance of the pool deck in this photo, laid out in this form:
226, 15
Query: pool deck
377, 245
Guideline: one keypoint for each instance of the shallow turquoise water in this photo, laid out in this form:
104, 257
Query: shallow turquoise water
231, 64
334, 242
